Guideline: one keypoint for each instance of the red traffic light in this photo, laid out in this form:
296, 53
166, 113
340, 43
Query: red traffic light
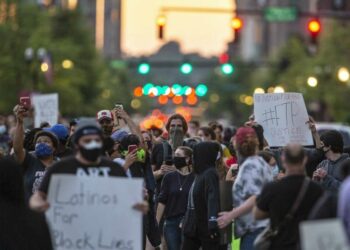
314, 27
224, 58
237, 23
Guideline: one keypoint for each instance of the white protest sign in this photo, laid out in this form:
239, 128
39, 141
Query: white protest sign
46, 109
283, 117
94, 213
323, 235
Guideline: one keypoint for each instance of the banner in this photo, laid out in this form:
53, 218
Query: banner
94, 212
323, 234
45, 108
283, 117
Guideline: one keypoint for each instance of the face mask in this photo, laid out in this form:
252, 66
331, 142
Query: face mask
91, 151
2, 129
42, 150
177, 137
179, 162
275, 170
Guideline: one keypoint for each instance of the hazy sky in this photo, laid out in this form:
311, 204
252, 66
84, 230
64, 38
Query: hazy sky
205, 33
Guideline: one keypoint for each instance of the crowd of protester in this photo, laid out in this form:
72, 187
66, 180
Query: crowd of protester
183, 167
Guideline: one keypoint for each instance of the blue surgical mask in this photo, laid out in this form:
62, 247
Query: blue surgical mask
2, 129
42, 150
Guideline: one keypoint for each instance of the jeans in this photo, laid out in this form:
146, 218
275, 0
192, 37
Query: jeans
247, 240
173, 233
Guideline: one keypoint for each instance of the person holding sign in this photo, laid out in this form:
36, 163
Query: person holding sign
88, 161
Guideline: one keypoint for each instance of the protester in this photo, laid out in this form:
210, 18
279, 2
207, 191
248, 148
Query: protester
136, 163
148, 140
193, 128
20, 227
206, 134
270, 158
117, 137
4, 137
253, 174
173, 197
200, 223
328, 172
34, 164
87, 160
61, 133
163, 152
105, 119
278, 198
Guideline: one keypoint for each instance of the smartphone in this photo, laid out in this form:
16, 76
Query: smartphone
118, 106
25, 102
132, 148
169, 162
234, 171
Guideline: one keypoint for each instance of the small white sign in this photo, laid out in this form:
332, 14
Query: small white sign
94, 213
325, 234
45, 108
283, 117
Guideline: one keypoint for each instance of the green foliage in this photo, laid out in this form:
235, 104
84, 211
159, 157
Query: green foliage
83, 89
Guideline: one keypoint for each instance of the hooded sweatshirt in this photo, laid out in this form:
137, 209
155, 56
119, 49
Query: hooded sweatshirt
206, 196
334, 178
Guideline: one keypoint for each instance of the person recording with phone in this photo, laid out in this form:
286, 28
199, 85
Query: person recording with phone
174, 195
136, 163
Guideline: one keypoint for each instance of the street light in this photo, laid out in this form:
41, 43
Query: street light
312, 81
43, 64
278, 89
343, 74
259, 91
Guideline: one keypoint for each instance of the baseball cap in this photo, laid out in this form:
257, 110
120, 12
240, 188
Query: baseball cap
119, 135
104, 114
59, 130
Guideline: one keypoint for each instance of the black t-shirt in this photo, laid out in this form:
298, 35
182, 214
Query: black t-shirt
277, 198
34, 171
174, 199
72, 166
157, 159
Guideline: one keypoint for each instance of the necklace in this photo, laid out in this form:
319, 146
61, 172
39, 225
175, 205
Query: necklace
178, 178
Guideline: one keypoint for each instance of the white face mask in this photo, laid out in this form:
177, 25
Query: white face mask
2, 129
93, 145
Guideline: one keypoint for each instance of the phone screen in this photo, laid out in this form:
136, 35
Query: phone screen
132, 148
25, 102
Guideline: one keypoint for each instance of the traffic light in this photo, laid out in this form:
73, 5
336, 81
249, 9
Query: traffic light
314, 28
144, 68
186, 68
227, 68
161, 21
237, 25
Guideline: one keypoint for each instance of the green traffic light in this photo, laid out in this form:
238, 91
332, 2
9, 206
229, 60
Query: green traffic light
227, 68
201, 90
144, 68
186, 68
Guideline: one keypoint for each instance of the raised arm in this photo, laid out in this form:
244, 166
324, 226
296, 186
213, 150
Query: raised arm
18, 139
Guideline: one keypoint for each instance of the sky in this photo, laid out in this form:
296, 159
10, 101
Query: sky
203, 33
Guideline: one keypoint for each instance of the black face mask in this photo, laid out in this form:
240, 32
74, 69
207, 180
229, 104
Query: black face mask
91, 152
179, 162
